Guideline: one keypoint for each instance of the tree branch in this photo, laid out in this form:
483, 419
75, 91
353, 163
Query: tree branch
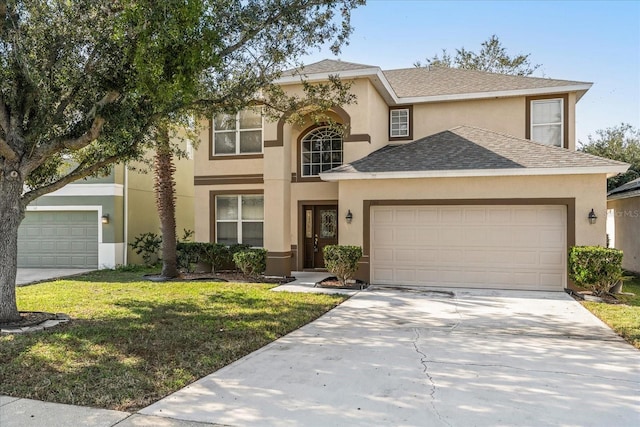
78, 173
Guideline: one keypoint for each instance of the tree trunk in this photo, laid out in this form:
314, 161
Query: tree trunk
11, 215
166, 202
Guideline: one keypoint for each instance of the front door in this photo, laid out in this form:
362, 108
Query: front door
321, 229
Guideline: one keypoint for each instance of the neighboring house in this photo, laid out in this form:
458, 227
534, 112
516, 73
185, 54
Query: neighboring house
624, 206
89, 223
436, 178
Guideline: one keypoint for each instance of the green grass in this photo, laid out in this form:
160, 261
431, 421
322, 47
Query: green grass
132, 342
623, 318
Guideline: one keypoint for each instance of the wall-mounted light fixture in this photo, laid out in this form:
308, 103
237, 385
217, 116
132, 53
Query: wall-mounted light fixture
592, 217
349, 217
105, 219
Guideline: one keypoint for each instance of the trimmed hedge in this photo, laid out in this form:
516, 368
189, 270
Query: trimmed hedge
342, 261
252, 262
217, 255
595, 267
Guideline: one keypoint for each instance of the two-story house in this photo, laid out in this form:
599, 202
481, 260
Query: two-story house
445, 177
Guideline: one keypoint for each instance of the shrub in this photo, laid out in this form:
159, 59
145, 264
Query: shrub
252, 262
342, 261
595, 267
147, 245
189, 253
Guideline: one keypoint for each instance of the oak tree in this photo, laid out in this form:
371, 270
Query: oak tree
84, 83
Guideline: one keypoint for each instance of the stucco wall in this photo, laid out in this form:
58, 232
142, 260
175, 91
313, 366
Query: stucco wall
627, 231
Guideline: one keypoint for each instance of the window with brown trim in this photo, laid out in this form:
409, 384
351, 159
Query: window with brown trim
237, 135
547, 120
320, 150
239, 219
401, 122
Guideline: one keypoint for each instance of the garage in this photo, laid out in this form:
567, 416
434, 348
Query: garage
58, 239
476, 246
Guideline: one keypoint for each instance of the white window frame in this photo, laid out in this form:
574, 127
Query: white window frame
561, 122
302, 153
237, 131
391, 130
239, 221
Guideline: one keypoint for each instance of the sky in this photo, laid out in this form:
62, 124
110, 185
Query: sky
590, 41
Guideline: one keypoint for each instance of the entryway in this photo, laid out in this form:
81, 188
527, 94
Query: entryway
320, 228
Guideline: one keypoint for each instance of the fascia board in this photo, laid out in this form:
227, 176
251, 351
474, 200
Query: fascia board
625, 195
341, 176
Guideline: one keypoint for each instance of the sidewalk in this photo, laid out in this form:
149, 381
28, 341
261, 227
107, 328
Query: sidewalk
34, 413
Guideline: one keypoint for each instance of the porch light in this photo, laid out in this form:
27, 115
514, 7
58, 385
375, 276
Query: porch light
105, 219
592, 217
349, 217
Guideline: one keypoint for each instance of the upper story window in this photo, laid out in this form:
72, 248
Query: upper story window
321, 150
547, 121
239, 134
400, 126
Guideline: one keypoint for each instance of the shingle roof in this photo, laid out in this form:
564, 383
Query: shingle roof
470, 148
625, 188
409, 82
425, 82
328, 66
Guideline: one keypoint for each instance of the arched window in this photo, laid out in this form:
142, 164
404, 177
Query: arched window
321, 150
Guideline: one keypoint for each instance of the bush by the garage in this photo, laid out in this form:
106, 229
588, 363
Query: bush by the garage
252, 262
342, 261
595, 267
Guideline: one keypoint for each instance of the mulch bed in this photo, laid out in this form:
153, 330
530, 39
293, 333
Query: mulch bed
334, 283
223, 276
589, 296
29, 318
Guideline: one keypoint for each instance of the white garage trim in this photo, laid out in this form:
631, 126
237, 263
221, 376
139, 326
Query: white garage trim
506, 246
108, 253
89, 190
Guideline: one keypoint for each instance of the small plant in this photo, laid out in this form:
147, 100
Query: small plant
147, 245
252, 262
342, 261
595, 267
187, 235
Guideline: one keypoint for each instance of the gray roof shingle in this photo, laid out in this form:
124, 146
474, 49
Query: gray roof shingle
409, 82
327, 66
421, 82
471, 148
625, 188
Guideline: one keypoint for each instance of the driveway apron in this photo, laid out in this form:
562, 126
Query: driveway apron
423, 357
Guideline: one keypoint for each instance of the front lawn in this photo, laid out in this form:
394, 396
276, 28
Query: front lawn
623, 318
132, 342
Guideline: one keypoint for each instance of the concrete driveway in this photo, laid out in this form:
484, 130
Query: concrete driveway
390, 357
33, 275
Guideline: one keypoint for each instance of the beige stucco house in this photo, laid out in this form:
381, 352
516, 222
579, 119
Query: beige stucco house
624, 209
438, 179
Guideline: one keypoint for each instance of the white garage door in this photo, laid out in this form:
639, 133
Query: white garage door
66, 239
504, 247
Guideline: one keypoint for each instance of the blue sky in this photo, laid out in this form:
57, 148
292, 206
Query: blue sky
589, 41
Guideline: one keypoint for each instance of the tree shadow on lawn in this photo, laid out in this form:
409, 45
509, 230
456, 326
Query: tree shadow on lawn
130, 362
